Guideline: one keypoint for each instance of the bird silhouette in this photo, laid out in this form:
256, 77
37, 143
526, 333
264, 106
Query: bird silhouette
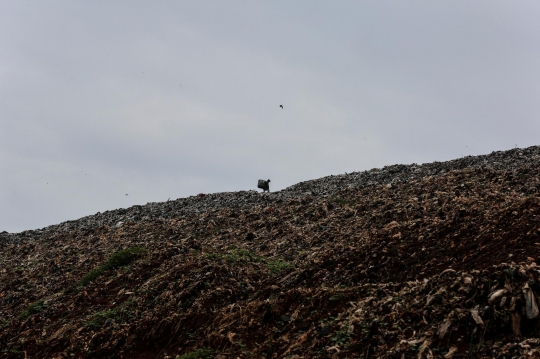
281, 106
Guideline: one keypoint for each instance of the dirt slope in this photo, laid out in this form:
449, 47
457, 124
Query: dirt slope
437, 267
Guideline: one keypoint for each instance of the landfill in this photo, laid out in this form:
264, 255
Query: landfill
410, 261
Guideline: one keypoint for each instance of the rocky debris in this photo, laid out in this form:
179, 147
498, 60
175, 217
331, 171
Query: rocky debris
327, 186
435, 267
146, 213
500, 160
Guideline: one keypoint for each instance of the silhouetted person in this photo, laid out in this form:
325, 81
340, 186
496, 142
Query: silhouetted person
264, 185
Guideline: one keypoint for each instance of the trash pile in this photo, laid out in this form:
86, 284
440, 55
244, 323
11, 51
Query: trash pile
433, 267
326, 186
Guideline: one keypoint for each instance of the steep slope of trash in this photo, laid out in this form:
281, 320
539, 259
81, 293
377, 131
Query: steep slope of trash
500, 160
433, 267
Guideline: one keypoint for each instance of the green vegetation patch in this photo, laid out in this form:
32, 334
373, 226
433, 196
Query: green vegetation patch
34, 308
117, 314
341, 338
14, 353
277, 266
116, 260
198, 354
239, 256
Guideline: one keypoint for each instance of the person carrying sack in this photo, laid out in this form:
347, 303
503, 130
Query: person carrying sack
264, 185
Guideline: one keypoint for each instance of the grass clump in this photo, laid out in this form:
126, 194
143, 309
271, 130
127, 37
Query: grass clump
116, 260
198, 354
34, 308
277, 266
341, 338
14, 353
100, 318
238, 256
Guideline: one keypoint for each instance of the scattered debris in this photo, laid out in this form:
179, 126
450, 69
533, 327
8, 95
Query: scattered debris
326, 186
417, 269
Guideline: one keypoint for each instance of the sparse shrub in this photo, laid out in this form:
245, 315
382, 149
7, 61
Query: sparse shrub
34, 308
341, 338
116, 260
237, 256
98, 319
277, 266
14, 353
124, 257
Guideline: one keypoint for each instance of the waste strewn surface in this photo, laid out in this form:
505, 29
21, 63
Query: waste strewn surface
442, 265
326, 186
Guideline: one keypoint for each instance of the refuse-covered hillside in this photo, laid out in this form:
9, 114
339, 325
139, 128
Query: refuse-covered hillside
436, 266
325, 186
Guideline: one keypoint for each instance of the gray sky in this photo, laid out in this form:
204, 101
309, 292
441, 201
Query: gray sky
167, 99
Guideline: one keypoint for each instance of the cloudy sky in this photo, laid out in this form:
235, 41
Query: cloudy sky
167, 99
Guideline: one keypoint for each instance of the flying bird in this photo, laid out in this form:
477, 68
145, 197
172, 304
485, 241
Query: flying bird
281, 106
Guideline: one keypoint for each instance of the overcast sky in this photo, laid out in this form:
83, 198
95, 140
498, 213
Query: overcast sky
167, 99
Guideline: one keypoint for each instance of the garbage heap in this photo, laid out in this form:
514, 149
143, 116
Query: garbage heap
439, 267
